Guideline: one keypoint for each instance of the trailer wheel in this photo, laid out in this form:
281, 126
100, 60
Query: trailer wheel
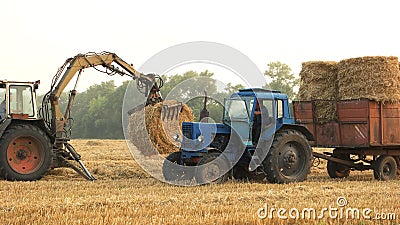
385, 168
397, 158
212, 169
25, 153
336, 170
289, 158
172, 172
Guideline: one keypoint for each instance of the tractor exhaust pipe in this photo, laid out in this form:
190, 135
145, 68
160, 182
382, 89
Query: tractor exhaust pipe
204, 113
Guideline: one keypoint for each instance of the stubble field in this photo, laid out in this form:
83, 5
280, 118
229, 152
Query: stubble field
125, 194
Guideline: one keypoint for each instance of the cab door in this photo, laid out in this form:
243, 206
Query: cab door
238, 115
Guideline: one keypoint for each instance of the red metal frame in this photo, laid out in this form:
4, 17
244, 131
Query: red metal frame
361, 124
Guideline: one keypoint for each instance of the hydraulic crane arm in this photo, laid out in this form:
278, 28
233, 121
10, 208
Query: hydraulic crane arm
81, 62
58, 124
147, 84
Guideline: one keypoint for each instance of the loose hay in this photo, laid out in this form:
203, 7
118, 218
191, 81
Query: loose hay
157, 132
373, 77
319, 81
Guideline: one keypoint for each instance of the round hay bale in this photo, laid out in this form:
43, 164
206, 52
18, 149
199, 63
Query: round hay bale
156, 131
373, 77
318, 80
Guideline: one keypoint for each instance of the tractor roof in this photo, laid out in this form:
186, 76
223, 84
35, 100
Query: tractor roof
261, 93
15, 82
258, 90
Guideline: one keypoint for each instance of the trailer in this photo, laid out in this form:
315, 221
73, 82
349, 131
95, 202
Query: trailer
365, 136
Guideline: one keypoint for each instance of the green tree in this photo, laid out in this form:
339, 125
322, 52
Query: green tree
91, 114
113, 108
282, 79
229, 89
191, 86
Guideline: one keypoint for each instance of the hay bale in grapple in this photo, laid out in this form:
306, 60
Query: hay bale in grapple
149, 129
319, 81
373, 77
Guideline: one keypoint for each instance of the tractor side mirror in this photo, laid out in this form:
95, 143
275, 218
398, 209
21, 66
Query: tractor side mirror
36, 85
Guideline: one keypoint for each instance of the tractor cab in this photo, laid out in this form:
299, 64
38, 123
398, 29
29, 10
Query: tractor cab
18, 100
251, 112
253, 115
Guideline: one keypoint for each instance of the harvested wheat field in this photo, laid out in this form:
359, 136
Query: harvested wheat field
125, 194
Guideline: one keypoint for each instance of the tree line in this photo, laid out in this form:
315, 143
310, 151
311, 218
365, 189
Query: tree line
97, 111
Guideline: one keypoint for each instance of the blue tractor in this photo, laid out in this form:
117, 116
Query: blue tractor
258, 138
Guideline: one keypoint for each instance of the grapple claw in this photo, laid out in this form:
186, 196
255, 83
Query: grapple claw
171, 111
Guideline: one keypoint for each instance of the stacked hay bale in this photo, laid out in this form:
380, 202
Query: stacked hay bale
373, 77
147, 129
319, 82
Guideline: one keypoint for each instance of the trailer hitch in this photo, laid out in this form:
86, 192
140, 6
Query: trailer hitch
349, 163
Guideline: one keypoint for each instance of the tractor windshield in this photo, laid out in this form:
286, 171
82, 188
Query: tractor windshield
237, 108
21, 100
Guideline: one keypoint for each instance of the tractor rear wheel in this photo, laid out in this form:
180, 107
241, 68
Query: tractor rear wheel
385, 168
289, 158
25, 153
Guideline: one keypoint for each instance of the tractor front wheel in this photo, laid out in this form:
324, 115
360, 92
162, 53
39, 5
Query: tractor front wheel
174, 171
25, 153
212, 168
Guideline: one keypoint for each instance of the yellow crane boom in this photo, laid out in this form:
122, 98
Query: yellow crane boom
77, 64
56, 121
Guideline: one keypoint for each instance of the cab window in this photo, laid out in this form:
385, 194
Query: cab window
21, 100
279, 108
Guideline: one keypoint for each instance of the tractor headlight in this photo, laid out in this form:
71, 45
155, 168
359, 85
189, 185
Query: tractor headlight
176, 137
200, 138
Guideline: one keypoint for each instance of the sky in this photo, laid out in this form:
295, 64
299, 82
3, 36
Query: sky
38, 36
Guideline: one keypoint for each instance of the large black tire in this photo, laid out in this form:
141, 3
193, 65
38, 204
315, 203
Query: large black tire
172, 172
289, 158
25, 153
336, 170
397, 158
216, 170
385, 168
